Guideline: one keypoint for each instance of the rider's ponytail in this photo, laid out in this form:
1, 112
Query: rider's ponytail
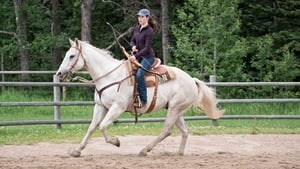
153, 23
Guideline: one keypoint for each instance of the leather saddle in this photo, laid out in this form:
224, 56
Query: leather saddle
164, 72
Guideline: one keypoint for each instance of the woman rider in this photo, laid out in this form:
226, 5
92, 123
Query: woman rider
141, 44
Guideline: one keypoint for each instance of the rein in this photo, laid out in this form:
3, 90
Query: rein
81, 78
98, 78
106, 74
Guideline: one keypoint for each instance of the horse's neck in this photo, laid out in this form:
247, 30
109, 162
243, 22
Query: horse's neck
102, 67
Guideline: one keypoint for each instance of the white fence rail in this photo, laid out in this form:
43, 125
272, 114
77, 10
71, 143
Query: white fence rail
57, 100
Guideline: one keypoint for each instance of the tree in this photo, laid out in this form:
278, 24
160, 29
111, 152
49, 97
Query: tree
206, 39
86, 19
21, 18
271, 28
56, 30
165, 29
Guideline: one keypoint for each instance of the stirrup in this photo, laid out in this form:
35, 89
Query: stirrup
137, 101
138, 105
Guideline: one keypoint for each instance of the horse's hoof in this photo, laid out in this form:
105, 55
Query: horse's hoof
115, 141
142, 154
75, 153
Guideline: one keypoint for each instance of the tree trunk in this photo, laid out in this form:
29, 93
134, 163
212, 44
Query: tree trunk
165, 29
275, 6
21, 17
86, 19
56, 30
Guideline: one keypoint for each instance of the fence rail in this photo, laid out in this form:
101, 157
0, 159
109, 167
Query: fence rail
146, 120
84, 103
57, 101
212, 84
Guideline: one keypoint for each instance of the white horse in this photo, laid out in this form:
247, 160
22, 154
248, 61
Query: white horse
176, 95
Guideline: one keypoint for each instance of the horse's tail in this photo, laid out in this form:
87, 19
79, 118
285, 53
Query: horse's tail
207, 100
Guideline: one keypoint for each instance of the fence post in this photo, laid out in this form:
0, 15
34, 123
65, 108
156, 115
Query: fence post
56, 99
2, 69
212, 79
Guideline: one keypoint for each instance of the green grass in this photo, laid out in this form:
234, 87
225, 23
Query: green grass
75, 132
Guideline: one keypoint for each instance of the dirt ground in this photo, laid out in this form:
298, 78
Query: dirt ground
207, 152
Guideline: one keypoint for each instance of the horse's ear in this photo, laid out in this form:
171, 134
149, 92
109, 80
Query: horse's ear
71, 42
76, 41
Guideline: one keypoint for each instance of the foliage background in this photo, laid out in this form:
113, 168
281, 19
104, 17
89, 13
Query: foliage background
236, 40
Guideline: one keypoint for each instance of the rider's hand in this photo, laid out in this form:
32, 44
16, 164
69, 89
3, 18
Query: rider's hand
132, 58
134, 49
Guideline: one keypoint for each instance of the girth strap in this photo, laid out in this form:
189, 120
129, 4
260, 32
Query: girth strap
153, 102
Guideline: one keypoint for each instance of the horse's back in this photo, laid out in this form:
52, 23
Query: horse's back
182, 86
180, 74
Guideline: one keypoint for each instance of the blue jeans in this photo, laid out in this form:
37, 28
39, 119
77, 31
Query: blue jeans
142, 88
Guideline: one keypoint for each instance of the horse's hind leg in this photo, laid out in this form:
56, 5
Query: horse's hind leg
169, 123
180, 123
99, 114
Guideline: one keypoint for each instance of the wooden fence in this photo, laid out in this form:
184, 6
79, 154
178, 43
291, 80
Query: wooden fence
57, 103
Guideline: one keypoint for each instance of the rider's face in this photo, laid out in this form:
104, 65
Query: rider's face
143, 20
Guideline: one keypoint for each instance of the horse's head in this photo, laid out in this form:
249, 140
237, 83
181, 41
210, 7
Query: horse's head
73, 60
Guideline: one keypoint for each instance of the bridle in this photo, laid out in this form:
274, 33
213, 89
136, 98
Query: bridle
70, 72
78, 55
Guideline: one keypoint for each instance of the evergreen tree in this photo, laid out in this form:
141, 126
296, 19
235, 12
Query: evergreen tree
271, 28
206, 39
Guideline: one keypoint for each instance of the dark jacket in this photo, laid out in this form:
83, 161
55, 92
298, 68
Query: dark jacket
142, 39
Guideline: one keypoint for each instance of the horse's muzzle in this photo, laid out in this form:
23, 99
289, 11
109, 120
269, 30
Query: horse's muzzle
58, 74
63, 76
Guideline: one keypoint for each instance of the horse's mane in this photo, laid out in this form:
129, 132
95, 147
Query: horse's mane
102, 51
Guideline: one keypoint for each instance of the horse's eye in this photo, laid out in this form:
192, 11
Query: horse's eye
72, 56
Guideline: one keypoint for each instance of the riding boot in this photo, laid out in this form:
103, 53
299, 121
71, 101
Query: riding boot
136, 100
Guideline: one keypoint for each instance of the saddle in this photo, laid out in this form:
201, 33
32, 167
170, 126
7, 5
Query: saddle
160, 75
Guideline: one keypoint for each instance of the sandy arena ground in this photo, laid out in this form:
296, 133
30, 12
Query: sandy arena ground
205, 152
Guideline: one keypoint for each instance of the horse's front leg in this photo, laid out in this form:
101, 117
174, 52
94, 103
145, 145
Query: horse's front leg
98, 115
113, 113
